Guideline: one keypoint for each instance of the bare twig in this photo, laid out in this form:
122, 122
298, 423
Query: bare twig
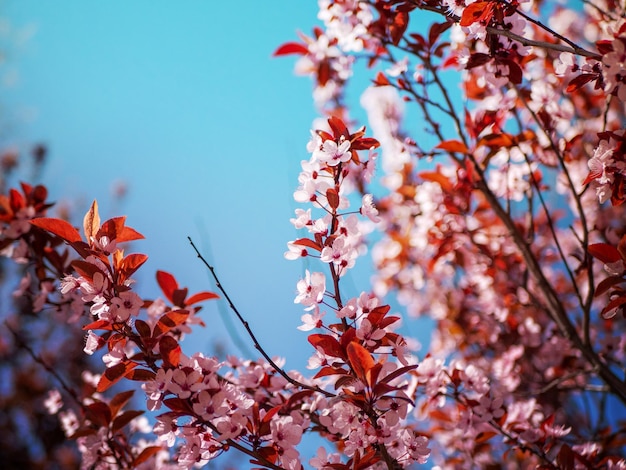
570, 47
256, 343
39, 360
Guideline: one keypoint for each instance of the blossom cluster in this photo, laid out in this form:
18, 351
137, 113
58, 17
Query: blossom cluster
472, 236
370, 416
501, 219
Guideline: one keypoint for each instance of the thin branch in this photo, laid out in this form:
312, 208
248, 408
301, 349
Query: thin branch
570, 47
39, 360
245, 324
574, 48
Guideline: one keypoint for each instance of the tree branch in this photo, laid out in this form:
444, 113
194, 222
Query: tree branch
245, 324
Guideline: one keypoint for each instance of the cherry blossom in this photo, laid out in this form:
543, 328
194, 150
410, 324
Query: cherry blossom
311, 289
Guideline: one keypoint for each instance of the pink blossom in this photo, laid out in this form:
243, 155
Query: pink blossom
125, 305
416, 445
23, 286
156, 389
311, 321
395, 409
230, 427
340, 253
68, 284
333, 153
615, 68
489, 408
311, 289
317, 360
475, 380
92, 343
368, 209
369, 335
53, 401
295, 251
210, 405
69, 422
285, 433
303, 218
166, 428
358, 440
322, 459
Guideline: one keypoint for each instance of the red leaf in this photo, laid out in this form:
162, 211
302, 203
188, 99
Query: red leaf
607, 283
141, 375
398, 372
515, 71
604, 46
113, 374
125, 418
201, 296
119, 400
477, 59
377, 314
328, 344
291, 48
308, 243
381, 80
579, 81
170, 320
604, 252
364, 143
613, 304
566, 458
128, 234
398, 27
338, 127
17, 200
116, 230
178, 405
99, 413
436, 29
179, 296
333, 198
453, 146
484, 436
91, 222
477, 11
167, 283
328, 370
85, 269
143, 329
146, 454
58, 227
170, 351
270, 414
132, 263
497, 140
361, 361
324, 72
99, 325
437, 177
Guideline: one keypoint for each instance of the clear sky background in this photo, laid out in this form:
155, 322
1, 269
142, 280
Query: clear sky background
184, 103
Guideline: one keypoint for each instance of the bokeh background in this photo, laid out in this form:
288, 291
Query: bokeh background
183, 107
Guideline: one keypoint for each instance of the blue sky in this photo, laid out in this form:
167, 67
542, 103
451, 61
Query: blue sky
186, 105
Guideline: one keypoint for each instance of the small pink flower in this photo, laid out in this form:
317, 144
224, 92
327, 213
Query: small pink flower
53, 402
125, 305
368, 334
285, 433
333, 153
311, 321
311, 289
93, 342
368, 209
